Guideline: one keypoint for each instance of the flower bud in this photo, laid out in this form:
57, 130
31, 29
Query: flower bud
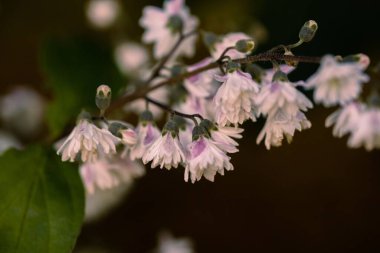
175, 24
308, 31
116, 127
103, 97
128, 136
245, 46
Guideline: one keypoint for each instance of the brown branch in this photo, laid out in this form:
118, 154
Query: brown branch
266, 56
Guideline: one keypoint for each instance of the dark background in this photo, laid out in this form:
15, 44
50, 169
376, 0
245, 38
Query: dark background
314, 195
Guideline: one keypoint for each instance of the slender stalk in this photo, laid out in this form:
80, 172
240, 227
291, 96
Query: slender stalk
170, 110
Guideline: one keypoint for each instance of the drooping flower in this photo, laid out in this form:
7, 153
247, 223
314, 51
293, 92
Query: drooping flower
281, 124
89, 140
281, 93
223, 137
367, 130
337, 82
234, 100
108, 172
205, 158
147, 133
162, 28
130, 57
102, 13
229, 40
346, 119
202, 84
167, 151
129, 136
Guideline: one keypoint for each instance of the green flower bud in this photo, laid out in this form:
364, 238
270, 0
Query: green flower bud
146, 116
103, 97
245, 46
308, 31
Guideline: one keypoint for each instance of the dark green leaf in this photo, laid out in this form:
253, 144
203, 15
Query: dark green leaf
42, 202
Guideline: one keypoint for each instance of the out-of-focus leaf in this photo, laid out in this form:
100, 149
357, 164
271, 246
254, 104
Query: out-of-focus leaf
42, 202
73, 69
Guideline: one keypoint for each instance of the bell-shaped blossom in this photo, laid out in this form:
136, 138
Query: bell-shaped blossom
279, 125
158, 28
102, 13
167, 151
89, 140
147, 133
206, 159
229, 40
346, 119
337, 82
202, 84
130, 57
367, 131
108, 172
281, 93
234, 100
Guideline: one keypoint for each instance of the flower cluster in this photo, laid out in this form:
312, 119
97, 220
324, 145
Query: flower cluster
209, 101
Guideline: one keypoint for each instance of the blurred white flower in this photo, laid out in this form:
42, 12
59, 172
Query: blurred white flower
130, 58
206, 159
337, 82
367, 131
223, 138
201, 85
22, 111
346, 119
168, 244
229, 40
281, 124
156, 23
166, 151
102, 13
234, 100
108, 172
89, 140
8, 141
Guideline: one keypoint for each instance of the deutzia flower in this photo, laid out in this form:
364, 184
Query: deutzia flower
367, 131
89, 140
108, 172
280, 124
102, 13
234, 100
166, 151
162, 27
202, 84
229, 40
146, 133
345, 119
205, 158
337, 82
223, 136
281, 93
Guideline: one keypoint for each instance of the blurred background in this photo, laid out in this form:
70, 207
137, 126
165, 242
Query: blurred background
314, 195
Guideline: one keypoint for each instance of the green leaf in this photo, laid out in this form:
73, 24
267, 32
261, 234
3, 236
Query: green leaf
42, 202
74, 68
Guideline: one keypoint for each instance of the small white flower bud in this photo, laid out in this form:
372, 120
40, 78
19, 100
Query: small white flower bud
245, 46
103, 97
308, 31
